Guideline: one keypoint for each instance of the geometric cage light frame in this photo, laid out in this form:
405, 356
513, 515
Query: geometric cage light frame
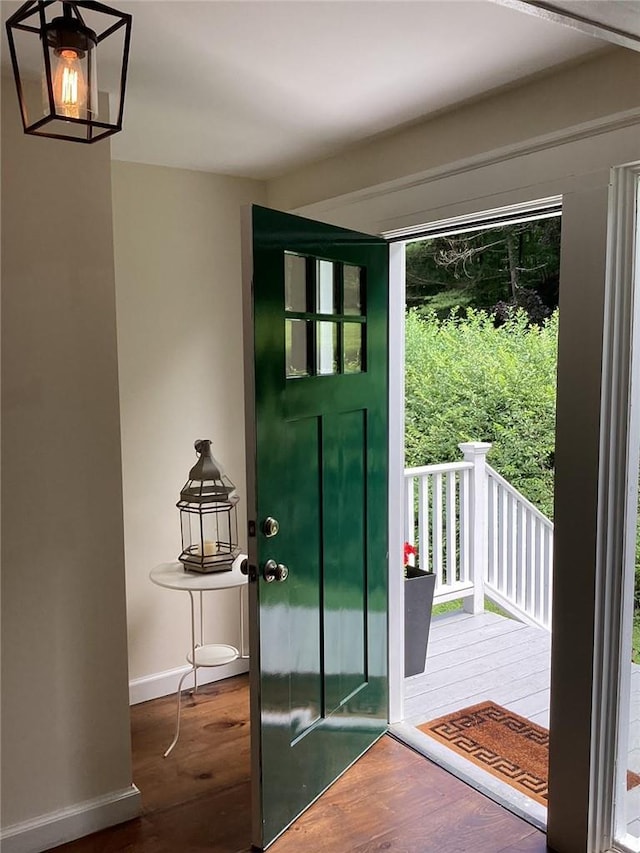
57, 48
208, 515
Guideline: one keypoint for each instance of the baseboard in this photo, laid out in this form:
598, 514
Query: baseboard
164, 683
60, 827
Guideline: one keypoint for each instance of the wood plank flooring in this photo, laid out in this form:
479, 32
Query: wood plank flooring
198, 799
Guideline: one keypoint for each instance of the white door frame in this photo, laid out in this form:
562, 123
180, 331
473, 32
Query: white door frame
618, 488
396, 480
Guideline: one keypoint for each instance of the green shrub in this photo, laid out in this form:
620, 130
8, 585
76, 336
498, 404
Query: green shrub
467, 380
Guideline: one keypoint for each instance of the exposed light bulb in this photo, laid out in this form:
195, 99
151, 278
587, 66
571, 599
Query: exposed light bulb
69, 85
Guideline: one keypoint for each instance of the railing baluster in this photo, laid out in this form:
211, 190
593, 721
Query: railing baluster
516, 550
409, 511
502, 565
519, 546
452, 562
465, 526
492, 530
505, 543
529, 587
538, 607
520, 556
423, 523
512, 552
548, 576
520, 551
437, 528
547, 563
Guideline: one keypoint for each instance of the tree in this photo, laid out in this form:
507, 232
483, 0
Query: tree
467, 380
496, 269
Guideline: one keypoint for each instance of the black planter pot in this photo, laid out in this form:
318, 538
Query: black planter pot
418, 600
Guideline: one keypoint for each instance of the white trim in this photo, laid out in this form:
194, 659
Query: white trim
248, 337
396, 480
620, 448
512, 609
586, 131
164, 683
438, 468
558, 15
59, 827
512, 214
627, 844
630, 271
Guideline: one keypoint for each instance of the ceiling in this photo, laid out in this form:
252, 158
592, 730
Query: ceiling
258, 87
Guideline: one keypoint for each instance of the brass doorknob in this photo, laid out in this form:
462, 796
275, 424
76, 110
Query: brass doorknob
270, 527
272, 571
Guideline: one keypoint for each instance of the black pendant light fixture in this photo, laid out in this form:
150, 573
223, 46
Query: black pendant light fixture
57, 48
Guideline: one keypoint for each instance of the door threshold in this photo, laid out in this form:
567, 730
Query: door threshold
484, 782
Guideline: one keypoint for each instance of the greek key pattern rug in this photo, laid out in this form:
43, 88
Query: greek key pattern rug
500, 742
504, 744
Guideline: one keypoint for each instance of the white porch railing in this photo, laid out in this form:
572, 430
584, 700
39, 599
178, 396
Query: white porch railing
480, 536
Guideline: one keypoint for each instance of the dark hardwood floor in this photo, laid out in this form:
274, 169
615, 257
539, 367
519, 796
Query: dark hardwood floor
198, 799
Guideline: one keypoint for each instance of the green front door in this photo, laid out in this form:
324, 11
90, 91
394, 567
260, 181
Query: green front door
316, 418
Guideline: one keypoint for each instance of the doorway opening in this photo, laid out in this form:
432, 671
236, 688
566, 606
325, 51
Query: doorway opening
480, 365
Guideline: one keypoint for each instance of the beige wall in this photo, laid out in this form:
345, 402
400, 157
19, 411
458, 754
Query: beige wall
178, 282
65, 720
570, 99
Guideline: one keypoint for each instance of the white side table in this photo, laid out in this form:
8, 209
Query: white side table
173, 576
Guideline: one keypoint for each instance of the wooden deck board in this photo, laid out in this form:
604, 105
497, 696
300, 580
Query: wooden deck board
474, 658
526, 654
512, 683
471, 658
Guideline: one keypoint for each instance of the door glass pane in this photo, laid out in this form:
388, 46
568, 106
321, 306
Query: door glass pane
326, 348
352, 290
295, 282
325, 291
352, 355
297, 337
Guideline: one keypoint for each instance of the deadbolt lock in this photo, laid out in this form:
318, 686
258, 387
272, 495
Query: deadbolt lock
270, 527
272, 571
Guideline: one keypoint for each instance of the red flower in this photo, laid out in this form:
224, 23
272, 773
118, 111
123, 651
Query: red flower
409, 551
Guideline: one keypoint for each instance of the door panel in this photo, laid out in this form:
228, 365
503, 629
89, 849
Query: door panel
316, 323
344, 556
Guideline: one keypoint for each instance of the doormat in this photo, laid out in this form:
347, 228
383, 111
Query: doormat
504, 744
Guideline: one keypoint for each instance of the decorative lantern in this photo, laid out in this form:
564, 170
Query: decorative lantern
208, 516
55, 65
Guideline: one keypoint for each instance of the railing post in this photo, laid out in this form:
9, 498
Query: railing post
476, 452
